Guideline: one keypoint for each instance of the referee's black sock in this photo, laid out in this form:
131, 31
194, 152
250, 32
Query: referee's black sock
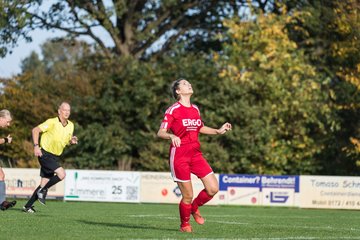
52, 181
33, 198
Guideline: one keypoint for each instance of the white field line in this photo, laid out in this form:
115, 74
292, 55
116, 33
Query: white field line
281, 216
163, 216
300, 238
308, 227
277, 238
229, 223
251, 216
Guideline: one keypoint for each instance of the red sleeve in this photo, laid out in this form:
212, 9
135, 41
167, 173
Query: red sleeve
167, 121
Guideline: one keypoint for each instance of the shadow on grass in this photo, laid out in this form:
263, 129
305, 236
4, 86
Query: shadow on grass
18, 209
131, 226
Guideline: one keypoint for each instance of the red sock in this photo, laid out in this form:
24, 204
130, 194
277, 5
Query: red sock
200, 200
185, 212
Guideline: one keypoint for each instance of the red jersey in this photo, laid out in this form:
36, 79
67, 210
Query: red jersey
184, 122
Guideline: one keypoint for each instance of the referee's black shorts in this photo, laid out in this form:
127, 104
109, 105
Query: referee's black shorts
49, 163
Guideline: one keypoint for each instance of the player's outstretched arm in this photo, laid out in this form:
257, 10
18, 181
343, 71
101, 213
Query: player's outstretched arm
208, 130
164, 134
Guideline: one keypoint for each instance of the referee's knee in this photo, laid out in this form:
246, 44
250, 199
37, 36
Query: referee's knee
61, 174
62, 177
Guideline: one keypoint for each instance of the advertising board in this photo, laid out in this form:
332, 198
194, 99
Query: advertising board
158, 187
242, 189
104, 186
330, 192
21, 183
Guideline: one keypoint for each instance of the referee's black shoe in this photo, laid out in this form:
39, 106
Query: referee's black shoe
41, 193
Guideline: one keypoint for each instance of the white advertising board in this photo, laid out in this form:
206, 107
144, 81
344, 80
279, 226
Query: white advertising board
102, 186
279, 190
330, 192
237, 189
278, 197
21, 182
158, 187
243, 196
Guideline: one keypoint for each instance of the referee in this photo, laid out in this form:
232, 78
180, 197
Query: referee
56, 134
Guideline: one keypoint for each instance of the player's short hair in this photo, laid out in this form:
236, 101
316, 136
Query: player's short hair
5, 113
175, 86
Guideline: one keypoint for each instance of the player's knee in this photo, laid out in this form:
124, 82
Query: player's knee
2, 175
187, 198
213, 190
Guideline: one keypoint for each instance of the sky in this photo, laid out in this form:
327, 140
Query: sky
10, 65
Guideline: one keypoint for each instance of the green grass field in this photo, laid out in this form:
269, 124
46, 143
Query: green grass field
84, 220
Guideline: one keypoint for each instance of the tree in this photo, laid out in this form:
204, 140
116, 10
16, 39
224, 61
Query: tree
133, 27
274, 95
286, 79
13, 21
33, 96
329, 33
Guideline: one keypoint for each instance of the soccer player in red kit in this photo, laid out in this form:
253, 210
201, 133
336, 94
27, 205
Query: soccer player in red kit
182, 124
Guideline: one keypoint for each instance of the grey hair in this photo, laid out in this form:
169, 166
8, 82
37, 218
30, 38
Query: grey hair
62, 103
5, 113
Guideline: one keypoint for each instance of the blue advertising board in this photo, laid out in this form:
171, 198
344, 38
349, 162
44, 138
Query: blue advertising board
246, 189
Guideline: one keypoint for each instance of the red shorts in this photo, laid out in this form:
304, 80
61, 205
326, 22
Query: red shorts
188, 159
